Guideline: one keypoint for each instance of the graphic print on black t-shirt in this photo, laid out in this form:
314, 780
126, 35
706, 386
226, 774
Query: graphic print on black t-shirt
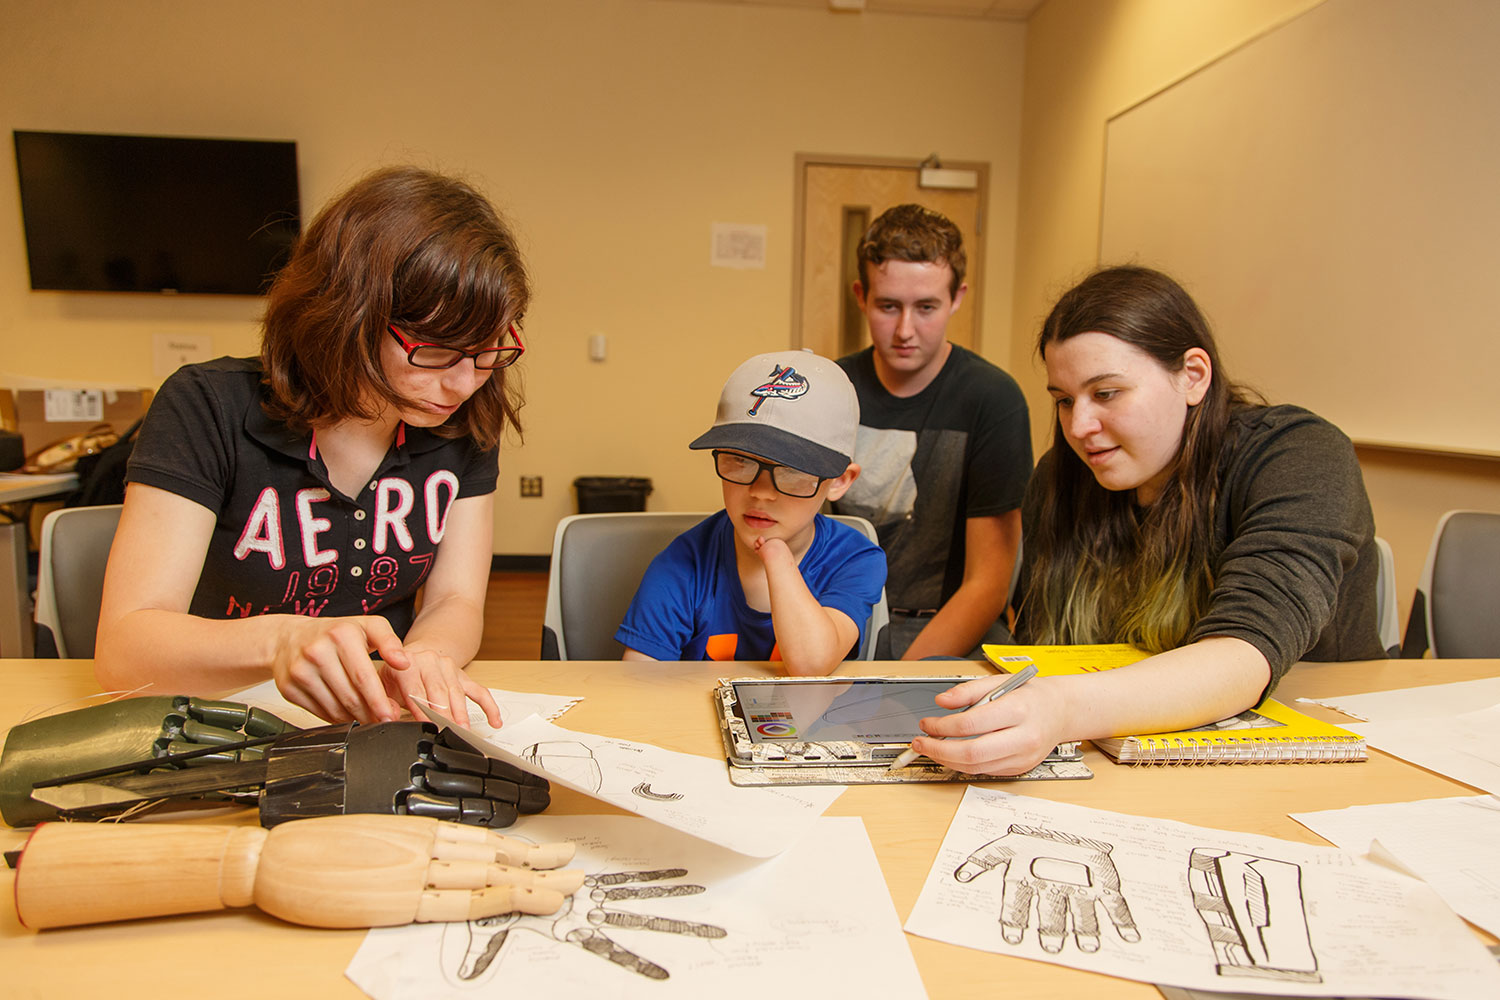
916, 526
958, 449
284, 540
289, 539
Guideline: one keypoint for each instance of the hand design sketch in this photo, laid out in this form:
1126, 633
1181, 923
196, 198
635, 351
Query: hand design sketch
568, 759
1254, 913
576, 926
645, 791
1067, 876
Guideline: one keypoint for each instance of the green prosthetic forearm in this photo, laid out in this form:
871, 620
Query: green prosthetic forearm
119, 732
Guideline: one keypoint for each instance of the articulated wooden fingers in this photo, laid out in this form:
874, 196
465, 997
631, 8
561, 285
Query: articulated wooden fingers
372, 870
455, 842
439, 905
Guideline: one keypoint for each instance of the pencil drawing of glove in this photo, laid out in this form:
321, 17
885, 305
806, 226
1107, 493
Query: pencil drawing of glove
583, 927
1066, 875
335, 871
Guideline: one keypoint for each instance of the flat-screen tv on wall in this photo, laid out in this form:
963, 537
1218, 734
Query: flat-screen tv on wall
134, 213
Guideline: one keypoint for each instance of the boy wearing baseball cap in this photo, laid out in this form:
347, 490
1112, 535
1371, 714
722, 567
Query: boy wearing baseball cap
768, 577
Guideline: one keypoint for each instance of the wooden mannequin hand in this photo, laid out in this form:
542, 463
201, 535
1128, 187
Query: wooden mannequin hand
333, 871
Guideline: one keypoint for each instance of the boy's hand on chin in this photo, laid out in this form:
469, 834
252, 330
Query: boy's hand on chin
773, 551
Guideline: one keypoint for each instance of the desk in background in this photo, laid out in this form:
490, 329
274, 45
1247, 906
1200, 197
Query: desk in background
17, 632
246, 953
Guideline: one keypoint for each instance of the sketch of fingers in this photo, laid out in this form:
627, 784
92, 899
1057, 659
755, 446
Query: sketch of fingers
1067, 876
580, 923
597, 943
1052, 917
468, 949
1119, 914
1015, 909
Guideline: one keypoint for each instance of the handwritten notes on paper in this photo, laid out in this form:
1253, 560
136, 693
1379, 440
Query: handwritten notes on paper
665, 915
1448, 843
1165, 902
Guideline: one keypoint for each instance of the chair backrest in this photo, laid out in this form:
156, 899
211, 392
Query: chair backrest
597, 564
880, 615
1386, 615
70, 577
1455, 610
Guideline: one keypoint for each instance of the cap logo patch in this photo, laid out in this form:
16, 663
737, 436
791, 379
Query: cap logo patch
785, 383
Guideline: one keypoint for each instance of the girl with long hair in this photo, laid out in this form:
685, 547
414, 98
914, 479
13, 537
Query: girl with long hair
283, 512
1176, 512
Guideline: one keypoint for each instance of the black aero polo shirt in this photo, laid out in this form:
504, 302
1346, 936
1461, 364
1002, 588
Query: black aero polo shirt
285, 540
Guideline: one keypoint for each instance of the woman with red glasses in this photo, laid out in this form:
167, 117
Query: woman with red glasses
283, 512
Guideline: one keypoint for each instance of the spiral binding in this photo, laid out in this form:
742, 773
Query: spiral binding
1241, 750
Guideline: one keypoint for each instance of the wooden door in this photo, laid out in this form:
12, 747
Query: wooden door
837, 200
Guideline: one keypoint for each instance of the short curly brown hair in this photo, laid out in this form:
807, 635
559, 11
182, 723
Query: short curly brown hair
402, 246
913, 233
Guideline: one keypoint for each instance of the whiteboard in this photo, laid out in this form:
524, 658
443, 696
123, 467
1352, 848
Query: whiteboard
1330, 194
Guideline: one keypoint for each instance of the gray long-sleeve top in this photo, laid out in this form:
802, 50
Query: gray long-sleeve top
1293, 553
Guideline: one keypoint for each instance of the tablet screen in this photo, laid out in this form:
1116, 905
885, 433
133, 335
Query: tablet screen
867, 710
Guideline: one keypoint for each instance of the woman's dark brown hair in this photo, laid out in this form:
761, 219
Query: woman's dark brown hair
1102, 569
403, 246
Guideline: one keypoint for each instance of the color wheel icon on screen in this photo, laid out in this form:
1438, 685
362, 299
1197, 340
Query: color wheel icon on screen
776, 730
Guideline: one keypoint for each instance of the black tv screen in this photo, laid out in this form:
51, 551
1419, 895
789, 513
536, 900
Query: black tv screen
131, 213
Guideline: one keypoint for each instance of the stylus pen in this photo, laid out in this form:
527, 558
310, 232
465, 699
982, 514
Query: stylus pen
1010, 683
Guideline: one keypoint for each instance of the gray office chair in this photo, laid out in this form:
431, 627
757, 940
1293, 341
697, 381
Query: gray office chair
1456, 610
597, 564
70, 578
1386, 615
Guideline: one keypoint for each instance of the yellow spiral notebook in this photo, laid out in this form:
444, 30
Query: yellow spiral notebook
1269, 733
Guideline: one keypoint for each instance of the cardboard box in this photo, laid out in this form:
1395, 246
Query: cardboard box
45, 416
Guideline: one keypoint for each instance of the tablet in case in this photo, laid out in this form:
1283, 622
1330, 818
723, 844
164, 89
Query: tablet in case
844, 731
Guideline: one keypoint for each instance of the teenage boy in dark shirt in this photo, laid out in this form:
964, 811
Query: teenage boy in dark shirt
944, 443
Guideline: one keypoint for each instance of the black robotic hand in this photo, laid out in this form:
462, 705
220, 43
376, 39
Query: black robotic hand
110, 759
394, 767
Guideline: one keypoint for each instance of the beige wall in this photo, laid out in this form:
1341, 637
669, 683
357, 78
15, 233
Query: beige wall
1087, 60
613, 132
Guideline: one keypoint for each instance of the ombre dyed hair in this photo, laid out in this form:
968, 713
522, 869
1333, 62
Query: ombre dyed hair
1102, 568
402, 246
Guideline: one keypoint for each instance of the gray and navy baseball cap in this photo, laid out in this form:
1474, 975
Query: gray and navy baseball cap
791, 407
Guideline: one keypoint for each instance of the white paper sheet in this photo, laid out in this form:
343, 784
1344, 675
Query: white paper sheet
1164, 902
1415, 703
1448, 843
816, 921
514, 705
1462, 747
688, 793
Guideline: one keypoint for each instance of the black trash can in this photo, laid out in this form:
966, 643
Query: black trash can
608, 494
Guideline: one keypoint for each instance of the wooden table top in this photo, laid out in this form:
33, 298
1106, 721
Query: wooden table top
246, 953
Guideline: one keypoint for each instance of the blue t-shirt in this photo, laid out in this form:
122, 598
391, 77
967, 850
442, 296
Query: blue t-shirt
690, 605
